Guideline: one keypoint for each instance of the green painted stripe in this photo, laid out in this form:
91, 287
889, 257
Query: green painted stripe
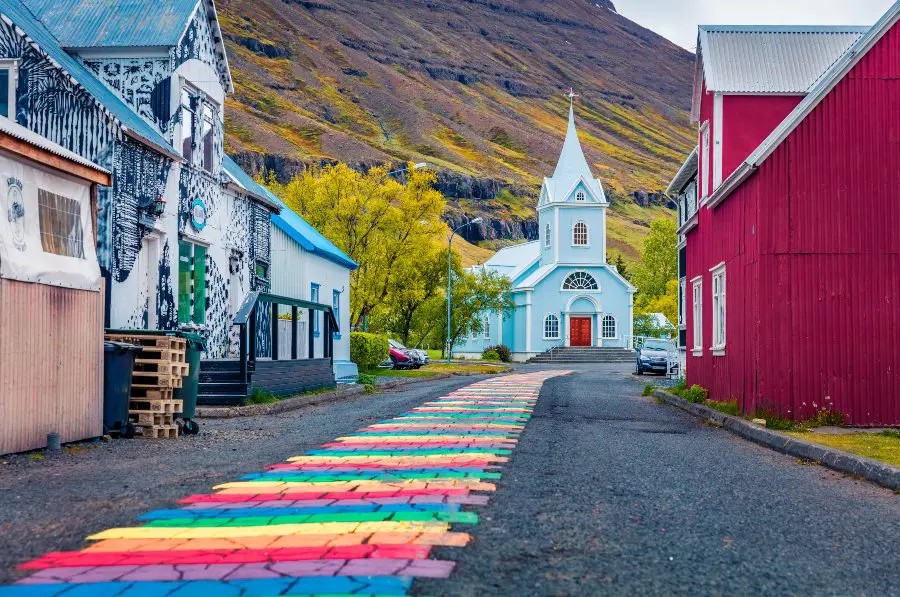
253, 521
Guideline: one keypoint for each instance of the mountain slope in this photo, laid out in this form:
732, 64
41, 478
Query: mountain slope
473, 87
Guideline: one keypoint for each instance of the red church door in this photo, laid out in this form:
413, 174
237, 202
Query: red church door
580, 331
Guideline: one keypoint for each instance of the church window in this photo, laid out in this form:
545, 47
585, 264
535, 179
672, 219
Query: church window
609, 327
487, 328
580, 281
551, 327
580, 235
579, 196
547, 236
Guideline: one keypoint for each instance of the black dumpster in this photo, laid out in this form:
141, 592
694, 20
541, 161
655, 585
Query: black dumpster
191, 383
118, 366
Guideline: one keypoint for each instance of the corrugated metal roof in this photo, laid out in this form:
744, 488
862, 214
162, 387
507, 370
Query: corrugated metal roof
20, 132
19, 15
764, 59
246, 182
114, 23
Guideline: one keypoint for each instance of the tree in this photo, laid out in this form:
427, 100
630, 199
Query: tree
383, 225
621, 267
659, 263
473, 295
666, 304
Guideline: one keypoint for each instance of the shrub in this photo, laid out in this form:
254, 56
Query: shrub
679, 388
504, 354
490, 355
648, 390
729, 408
370, 388
368, 350
827, 418
365, 380
775, 421
695, 394
893, 433
260, 396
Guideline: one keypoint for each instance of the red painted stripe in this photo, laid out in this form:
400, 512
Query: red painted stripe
73, 559
378, 467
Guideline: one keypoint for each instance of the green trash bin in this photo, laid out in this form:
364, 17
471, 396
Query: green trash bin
187, 393
118, 367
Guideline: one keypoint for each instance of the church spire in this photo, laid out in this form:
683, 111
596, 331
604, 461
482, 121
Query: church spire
572, 164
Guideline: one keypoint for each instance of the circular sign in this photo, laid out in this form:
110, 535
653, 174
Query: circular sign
198, 215
15, 211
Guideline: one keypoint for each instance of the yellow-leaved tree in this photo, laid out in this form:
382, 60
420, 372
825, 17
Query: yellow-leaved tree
387, 227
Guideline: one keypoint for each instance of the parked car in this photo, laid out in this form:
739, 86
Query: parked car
397, 359
419, 357
653, 356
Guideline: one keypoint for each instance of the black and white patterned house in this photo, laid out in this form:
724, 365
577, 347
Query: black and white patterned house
139, 88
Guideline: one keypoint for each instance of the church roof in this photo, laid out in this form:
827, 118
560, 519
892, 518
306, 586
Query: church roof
572, 167
514, 260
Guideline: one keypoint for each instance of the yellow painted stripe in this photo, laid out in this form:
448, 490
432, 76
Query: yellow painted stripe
277, 530
421, 439
253, 487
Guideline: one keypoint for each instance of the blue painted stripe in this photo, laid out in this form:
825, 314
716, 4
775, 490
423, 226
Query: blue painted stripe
263, 512
307, 585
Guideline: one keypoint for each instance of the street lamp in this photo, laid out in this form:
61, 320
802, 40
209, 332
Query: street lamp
450, 275
418, 166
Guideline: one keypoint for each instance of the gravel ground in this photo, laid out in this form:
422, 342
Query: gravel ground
611, 493
53, 503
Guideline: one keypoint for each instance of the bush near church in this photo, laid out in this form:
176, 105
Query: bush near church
502, 351
368, 350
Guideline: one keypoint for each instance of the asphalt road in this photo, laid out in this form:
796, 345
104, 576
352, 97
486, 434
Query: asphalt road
607, 493
611, 493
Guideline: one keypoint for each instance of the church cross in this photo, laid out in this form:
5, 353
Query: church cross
571, 95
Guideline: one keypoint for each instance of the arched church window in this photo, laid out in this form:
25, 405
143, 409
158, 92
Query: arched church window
579, 196
580, 281
551, 327
547, 240
580, 235
609, 327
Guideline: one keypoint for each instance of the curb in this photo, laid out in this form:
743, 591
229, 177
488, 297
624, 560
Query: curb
291, 404
878, 472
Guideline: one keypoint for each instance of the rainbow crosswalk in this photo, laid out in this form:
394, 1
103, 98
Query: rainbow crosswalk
358, 516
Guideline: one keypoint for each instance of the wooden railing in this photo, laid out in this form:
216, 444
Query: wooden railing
258, 303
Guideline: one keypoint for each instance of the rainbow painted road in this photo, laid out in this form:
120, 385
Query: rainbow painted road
359, 516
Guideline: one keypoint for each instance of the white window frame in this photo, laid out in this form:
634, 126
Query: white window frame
704, 160
718, 115
588, 275
682, 302
587, 234
697, 305
719, 309
580, 196
547, 237
12, 65
615, 327
487, 328
547, 319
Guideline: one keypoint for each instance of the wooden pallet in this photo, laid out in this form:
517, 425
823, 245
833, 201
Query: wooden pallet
152, 393
159, 342
150, 418
157, 431
156, 406
154, 353
149, 380
163, 366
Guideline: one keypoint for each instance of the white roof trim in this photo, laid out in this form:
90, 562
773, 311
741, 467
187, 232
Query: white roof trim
827, 82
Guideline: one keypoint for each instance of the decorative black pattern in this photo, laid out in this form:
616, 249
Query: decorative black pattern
143, 83
217, 317
199, 43
166, 313
195, 185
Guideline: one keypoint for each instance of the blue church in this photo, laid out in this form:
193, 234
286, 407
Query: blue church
564, 291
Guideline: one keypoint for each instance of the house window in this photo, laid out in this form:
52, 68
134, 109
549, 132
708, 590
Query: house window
8, 82
547, 236
718, 309
188, 120
191, 283
207, 138
60, 224
581, 281
314, 298
704, 160
579, 196
580, 235
609, 327
551, 327
698, 314
682, 302
336, 308
487, 328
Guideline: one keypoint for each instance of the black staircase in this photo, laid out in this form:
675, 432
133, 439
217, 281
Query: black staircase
230, 382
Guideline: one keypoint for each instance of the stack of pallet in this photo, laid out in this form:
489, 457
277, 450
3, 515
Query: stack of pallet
159, 368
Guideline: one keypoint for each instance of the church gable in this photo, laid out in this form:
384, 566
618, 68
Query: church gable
582, 194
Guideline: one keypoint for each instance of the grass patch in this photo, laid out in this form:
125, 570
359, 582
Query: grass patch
648, 390
260, 396
729, 408
877, 446
775, 421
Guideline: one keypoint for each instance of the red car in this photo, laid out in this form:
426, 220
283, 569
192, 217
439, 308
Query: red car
401, 360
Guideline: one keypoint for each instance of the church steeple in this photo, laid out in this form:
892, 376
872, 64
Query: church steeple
572, 166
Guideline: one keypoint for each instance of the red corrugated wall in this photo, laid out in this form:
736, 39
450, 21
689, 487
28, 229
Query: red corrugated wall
812, 243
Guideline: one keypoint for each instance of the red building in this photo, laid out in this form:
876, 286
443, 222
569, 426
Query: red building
791, 255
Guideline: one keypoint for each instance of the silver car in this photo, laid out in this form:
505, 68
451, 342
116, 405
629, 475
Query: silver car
653, 356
